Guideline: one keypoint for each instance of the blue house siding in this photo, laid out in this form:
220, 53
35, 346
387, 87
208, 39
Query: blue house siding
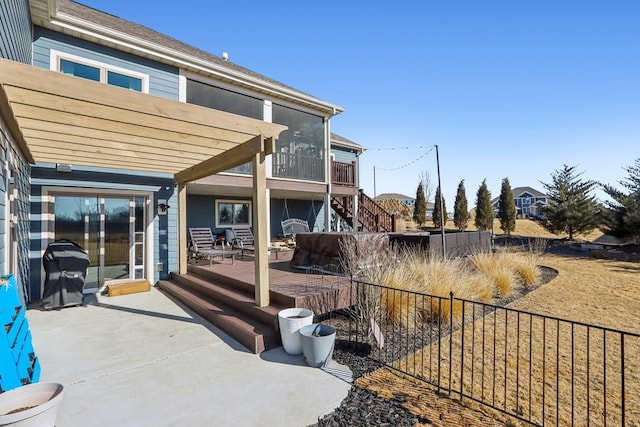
164, 226
301, 209
19, 231
201, 213
163, 79
15, 30
21, 179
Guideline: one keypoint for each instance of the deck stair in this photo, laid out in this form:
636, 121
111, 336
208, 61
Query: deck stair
371, 216
229, 305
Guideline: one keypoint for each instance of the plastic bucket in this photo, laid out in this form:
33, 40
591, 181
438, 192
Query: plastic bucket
318, 341
290, 321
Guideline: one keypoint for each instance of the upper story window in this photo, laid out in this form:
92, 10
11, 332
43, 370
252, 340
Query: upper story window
99, 72
215, 97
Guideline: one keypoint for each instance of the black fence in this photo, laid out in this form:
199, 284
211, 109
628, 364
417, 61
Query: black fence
540, 369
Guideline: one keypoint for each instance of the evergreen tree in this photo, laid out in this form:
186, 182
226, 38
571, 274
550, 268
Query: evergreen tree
621, 215
420, 208
484, 210
571, 207
438, 209
460, 208
507, 208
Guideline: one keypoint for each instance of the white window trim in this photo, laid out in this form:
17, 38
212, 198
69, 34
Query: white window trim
237, 201
48, 192
56, 56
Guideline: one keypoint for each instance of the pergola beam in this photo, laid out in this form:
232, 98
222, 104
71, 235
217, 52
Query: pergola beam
96, 124
233, 157
63, 119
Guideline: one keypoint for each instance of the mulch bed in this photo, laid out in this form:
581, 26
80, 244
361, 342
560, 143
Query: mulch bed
363, 407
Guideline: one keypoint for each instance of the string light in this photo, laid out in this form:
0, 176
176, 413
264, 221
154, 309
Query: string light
406, 164
395, 148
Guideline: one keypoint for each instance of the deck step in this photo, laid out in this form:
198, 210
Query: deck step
251, 333
231, 297
276, 299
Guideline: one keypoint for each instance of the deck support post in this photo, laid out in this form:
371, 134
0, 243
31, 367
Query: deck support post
260, 225
183, 251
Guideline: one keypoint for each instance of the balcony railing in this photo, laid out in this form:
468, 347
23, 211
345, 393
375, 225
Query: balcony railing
305, 167
287, 165
343, 173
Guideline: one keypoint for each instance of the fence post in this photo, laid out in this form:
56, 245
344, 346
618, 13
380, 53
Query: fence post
450, 338
622, 374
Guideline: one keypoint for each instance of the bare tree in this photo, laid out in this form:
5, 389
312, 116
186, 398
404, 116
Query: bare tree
427, 185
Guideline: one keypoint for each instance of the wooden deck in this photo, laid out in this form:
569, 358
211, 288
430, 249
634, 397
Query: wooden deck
289, 287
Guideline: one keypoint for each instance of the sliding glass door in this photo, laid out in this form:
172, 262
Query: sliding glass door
110, 228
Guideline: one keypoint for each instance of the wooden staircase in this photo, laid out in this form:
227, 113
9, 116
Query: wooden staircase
228, 304
371, 216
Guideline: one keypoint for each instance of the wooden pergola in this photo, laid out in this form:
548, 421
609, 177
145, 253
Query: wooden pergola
63, 119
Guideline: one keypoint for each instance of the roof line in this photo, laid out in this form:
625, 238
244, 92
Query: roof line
92, 29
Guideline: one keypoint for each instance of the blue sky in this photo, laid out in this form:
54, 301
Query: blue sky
505, 88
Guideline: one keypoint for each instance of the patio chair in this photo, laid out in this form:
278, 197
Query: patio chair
244, 241
203, 243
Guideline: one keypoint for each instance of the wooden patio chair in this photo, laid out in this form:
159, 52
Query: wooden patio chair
244, 241
202, 242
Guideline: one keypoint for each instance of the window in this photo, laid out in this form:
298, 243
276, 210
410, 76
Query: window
79, 70
99, 72
233, 212
224, 100
122, 80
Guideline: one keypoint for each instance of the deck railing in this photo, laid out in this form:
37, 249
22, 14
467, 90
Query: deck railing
305, 167
537, 368
344, 173
374, 216
287, 165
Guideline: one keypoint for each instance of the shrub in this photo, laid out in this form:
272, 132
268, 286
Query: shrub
439, 277
485, 276
527, 268
497, 268
398, 306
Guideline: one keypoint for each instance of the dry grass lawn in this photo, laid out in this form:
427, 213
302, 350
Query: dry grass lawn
600, 292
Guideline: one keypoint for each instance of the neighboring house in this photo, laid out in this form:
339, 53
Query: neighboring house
529, 201
124, 173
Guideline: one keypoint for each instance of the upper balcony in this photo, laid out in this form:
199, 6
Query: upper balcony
307, 168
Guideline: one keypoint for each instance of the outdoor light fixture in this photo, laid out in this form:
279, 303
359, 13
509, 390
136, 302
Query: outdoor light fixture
162, 207
61, 167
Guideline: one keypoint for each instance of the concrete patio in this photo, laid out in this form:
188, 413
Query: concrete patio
144, 360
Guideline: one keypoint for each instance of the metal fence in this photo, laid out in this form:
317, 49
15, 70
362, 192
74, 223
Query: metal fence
540, 369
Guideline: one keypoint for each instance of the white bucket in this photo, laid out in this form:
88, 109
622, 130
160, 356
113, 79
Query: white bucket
290, 321
41, 399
